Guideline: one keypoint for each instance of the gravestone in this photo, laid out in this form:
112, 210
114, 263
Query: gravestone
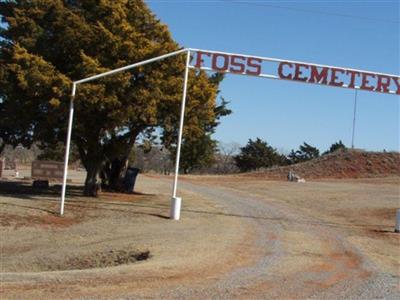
44, 171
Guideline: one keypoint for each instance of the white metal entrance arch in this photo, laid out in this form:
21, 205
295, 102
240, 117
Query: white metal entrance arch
241, 64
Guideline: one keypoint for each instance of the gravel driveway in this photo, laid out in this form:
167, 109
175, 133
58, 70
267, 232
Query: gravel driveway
299, 257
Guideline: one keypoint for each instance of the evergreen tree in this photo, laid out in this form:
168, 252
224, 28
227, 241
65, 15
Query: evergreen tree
198, 148
257, 154
47, 44
198, 153
306, 152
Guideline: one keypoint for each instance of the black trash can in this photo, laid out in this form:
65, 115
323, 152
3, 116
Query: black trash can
130, 179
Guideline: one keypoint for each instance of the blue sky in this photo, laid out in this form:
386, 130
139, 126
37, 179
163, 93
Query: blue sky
353, 34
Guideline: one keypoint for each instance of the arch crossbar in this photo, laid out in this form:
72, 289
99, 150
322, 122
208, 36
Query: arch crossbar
242, 64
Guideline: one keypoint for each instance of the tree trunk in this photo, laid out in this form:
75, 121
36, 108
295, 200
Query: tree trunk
92, 185
117, 169
117, 173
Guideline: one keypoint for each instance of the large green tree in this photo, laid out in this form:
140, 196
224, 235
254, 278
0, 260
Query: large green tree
47, 44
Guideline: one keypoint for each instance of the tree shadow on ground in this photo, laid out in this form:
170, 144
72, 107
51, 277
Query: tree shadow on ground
25, 190
82, 207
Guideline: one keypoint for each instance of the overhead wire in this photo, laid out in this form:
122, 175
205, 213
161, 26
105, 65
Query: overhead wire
268, 4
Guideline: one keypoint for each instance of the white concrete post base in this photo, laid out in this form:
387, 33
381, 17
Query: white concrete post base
397, 227
175, 208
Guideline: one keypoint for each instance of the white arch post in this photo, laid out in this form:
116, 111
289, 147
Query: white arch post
70, 120
176, 201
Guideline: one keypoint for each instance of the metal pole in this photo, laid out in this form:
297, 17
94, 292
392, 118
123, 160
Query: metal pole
354, 119
141, 63
71, 116
176, 201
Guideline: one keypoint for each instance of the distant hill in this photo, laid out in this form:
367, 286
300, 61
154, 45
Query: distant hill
340, 164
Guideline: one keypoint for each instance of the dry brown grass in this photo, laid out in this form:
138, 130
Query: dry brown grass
206, 245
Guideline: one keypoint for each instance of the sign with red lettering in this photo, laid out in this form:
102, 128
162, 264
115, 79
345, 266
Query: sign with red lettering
339, 77
296, 71
238, 64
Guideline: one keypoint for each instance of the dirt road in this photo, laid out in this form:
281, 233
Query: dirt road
303, 257
236, 239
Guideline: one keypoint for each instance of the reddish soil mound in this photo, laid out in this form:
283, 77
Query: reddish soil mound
340, 164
